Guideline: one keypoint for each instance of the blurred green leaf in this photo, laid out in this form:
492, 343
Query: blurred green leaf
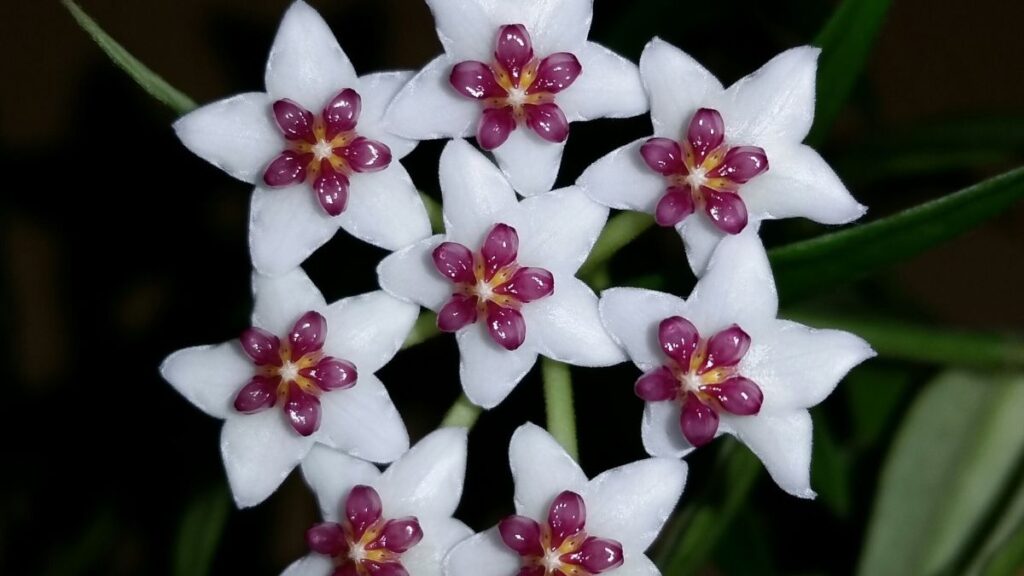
831, 469
1002, 553
434, 213
424, 329
200, 531
620, 230
156, 86
1008, 560
88, 549
953, 458
874, 392
694, 533
821, 263
845, 42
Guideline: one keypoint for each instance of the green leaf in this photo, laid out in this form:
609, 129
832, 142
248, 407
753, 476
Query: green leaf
620, 230
821, 263
831, 470
424, 329
462, 413
846, 42
953, 459
1002, 554
199, 533
156, 86
693, 535
434, 213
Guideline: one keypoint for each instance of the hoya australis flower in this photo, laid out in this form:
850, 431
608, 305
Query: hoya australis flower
392, 524
722, 160
566, 525
515, 73
302, 374
721, 362
502, 277
314, 147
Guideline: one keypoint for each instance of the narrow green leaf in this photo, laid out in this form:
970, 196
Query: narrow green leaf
156, 86
558, 403
831, 470
821, 263
845, 42
200, 531
1008, 560
621, 229
954, 457
434, 213
1002, 553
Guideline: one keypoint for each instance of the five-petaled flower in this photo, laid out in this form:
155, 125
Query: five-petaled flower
720, 361
567, 525
520, 283
723, 159
515, 73
314, 146
302, 374
398, 523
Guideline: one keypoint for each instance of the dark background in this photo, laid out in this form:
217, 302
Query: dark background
119, 247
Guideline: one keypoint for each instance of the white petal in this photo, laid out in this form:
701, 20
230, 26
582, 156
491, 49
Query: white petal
775, 103
783, 443
410, 274
428, 107
281, 300
738, 286
565, 326
465, 27
474, 193
608, 87
332, 475
385, 209
621, 180
377, 91
489, 372
800, 183
558, 229
797, 366
530, 163
259, 452
483, 553
237, 135
368, 329
636, 565
700, 238
660, 431
310, 565
677, 86
427, 480
440, 535
632, 315
209, 376
363, 421
631, 503
286, 225
542, 470
306, 64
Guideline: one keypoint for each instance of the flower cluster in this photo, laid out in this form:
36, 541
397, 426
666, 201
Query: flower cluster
323, 148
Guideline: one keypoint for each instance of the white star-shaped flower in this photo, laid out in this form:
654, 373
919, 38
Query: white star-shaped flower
315, 148
514, 74
721, 361
398, 523
723, 159
502, 277
565, 524
303, 373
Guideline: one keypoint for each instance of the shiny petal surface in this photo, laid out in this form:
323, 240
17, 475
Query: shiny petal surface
362, 421
474, 193
286, 225
542, 470
677, 86
566, 326
530, 163
281, 300
259, 451
409, 274
385, 209
622, 180
209, 376
369, 329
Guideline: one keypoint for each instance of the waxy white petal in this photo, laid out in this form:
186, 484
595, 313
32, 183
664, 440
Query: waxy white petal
529, 162
237, 135
474, 194
557, 230
306, 64
483, 553
385, 209
701, 237
489, 372
541, 469
632, 315
332, 475
566, 326
428, 107
608, 87
738, 286
621, 180
440, 535
259, 452
427, 480
362, 421
280, 300
677, 86
783, 443
209, 376
376, 92
410, 274
310, 565
661, 433
368, 330
286, 225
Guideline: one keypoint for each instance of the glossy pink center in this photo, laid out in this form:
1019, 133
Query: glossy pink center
702, 376
490, 284
365, 543
561, 546
324, 149
517, 88
293, 373
703, 173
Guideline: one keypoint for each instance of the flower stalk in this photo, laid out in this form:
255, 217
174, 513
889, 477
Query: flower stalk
558, 403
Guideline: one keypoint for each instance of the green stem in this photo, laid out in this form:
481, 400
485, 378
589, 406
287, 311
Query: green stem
424, 329
619, 232
434, 213
559, 404
901, 340
463, 413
